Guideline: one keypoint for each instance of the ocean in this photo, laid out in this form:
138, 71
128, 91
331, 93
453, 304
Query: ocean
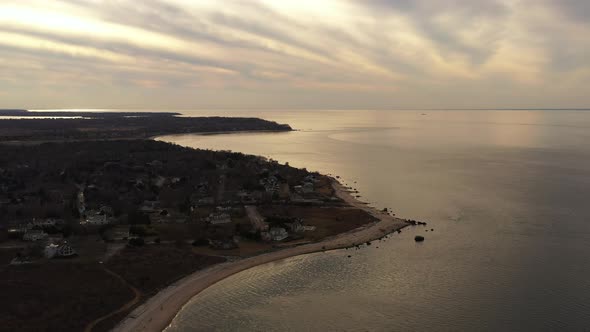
507, 194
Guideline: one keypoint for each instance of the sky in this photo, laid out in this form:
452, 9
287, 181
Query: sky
290, 54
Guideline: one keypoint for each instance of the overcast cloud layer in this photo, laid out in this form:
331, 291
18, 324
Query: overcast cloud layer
382, 54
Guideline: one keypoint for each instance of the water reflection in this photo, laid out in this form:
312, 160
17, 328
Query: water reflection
505, 192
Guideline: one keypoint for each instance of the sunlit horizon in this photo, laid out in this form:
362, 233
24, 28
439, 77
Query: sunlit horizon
347, 54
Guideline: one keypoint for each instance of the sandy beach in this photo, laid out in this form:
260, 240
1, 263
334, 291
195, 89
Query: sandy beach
157, 313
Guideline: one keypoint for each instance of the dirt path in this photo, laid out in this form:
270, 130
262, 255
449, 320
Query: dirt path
126, 306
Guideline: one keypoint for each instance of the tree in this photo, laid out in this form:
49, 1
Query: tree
136, 242
137, 217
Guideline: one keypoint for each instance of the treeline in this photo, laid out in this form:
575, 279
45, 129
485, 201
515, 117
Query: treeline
43, 180
122, 126
32, 114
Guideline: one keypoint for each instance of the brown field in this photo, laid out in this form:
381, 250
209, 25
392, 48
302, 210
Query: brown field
246, 248
66, 295
328, 220
324, 186
7, 254
152, 267
57, 297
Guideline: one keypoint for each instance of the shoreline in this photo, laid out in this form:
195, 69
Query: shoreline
157, 312
225, 132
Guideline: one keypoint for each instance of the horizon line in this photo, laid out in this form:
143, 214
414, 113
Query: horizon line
301, 109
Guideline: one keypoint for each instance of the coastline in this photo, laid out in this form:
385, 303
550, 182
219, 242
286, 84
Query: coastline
158, 312
226, 132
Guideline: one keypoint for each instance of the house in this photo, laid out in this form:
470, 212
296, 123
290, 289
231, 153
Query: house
117, 233
295, 226
224, 208
159, 216
166, 216
44, 224
149, 206
16, 232
95, 218
219, 218
278, 234
272, 187
19, 260
308, 187
248, 197
65, 250
34, 235
159, 181
155, 163
244, 197
59, 250
54, 238
306, 201
270, 184
107, 210
227, 244
203, 188
206, 201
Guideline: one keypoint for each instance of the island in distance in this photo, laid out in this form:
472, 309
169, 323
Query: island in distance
98, 226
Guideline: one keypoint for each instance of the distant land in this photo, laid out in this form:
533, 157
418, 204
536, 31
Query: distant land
28, 126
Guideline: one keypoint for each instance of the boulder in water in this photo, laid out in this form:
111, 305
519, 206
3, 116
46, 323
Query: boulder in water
419, 238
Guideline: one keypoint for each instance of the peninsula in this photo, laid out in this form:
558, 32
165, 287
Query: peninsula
22, 125
100, 228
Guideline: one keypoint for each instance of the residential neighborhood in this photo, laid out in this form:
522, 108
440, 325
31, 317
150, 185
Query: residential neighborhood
216, 199
151, 212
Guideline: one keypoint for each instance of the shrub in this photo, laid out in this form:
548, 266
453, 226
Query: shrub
136, 242
200, 242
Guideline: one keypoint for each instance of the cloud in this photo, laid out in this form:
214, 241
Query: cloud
578, 10
332, 53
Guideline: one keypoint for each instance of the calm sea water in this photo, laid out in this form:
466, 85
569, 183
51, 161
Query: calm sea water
508, 196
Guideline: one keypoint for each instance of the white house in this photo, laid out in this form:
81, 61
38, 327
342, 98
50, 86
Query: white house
59, 250
95, 218
278, 234
219, 218
42, 223
34, 235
